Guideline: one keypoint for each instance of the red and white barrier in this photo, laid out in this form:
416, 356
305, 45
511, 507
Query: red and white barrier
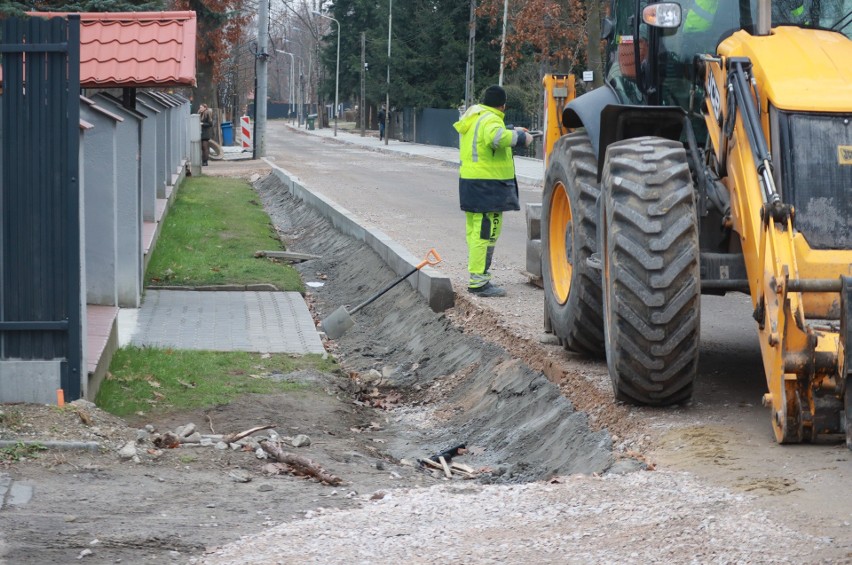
245, 132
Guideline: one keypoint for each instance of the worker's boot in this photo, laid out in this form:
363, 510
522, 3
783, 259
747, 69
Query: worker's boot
487, 290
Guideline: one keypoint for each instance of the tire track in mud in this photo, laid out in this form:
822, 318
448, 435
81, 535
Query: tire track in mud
457, 386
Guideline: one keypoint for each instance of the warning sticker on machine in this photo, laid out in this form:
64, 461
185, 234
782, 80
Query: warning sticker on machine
844, 154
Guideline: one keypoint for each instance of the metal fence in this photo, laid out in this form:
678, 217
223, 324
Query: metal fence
432, 126
40, 296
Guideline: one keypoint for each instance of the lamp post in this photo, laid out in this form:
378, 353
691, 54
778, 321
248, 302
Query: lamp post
292, 75
503, 41
337, 71
387, 91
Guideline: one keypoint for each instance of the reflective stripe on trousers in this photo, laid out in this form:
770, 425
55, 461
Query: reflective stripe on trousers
483, 229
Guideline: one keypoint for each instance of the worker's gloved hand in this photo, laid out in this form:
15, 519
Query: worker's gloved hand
523, 136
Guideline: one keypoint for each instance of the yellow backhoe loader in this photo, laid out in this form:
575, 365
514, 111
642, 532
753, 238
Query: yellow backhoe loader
717, 158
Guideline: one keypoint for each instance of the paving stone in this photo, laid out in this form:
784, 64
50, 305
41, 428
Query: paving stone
260, 321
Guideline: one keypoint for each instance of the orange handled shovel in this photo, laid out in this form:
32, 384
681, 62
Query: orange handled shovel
336, 324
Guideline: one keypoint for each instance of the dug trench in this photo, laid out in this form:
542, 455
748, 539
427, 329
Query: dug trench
413, 383
455, 387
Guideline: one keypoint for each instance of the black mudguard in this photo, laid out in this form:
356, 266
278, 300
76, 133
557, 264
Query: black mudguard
607, 120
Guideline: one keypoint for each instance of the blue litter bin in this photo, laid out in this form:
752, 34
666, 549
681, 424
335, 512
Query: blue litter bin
227, 134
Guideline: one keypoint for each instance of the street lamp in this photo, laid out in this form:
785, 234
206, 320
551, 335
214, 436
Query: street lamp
337, 72
292, 76
387, 87
503, 41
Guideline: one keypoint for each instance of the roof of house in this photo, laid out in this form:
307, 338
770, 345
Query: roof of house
135, 49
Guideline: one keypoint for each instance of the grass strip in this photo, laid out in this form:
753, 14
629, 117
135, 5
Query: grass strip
147, 379
210, 236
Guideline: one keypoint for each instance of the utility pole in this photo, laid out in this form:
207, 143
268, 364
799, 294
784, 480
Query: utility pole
262, 70
594, 49
468, 83
387, 92
362, 109
503, 41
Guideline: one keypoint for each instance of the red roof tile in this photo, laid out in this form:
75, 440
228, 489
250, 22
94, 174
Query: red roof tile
135, 49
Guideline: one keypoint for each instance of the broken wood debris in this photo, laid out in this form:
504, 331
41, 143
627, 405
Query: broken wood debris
233, 438
443, 463
263, 447
298, 465
290, 256
447, 472
452, 469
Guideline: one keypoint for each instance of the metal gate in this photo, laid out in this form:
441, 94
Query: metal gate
40, 274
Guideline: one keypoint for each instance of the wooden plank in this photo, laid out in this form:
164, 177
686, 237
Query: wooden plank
287, 255
447, 472
462, 467
433, 464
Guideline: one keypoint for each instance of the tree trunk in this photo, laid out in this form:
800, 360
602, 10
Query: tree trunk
205, 91
593, 32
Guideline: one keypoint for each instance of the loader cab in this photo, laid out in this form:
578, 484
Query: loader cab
654, 64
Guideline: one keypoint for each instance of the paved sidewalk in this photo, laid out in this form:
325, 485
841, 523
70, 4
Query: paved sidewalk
273, 322
268, 322
527, 170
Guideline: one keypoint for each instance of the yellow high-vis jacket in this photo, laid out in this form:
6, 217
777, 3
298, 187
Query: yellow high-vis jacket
487, 173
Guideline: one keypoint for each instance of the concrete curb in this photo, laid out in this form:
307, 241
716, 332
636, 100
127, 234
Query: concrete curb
435, 287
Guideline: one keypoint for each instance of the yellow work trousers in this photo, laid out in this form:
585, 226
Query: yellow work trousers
483, 229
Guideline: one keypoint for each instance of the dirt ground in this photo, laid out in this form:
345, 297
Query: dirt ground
415, 383
408, 393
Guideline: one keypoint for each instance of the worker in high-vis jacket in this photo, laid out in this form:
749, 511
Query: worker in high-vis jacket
487, 184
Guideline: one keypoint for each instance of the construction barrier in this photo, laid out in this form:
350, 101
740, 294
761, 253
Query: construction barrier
245, 132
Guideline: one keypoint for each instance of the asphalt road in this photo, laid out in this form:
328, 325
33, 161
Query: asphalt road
412, 199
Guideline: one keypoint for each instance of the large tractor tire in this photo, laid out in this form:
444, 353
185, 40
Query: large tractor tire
651, 271
572, 289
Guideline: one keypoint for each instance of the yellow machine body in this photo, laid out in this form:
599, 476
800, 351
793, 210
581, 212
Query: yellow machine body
801, 71
559, 89
770, 193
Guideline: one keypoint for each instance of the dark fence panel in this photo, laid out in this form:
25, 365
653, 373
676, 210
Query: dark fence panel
435, 127
278, 110
40, 310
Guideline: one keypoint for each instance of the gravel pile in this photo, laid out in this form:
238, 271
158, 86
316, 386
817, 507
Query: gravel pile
646, 517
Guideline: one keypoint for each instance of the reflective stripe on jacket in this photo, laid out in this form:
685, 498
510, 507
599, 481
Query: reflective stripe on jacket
487, 172
485, 148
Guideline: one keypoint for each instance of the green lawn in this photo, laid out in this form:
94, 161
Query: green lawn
210, 236
151, 380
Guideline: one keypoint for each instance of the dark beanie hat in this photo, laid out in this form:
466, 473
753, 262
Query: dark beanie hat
494, 96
